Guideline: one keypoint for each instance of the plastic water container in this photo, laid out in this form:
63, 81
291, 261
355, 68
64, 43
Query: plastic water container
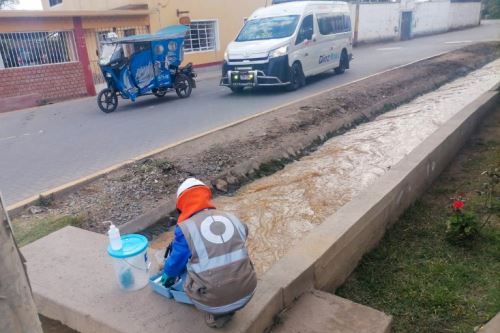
131, 262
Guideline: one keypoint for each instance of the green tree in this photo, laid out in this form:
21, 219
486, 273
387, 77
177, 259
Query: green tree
492, 9
8, 3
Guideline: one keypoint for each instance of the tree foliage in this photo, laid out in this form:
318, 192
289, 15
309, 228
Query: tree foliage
8, 3
491, 9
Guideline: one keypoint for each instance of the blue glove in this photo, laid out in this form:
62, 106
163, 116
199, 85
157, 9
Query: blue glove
167, 281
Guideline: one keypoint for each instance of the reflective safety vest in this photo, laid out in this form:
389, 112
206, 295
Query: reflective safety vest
221, 277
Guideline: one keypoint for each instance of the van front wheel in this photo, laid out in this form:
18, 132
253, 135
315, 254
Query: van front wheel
344, 63
297, 78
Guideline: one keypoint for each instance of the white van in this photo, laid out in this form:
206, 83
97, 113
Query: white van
282, 44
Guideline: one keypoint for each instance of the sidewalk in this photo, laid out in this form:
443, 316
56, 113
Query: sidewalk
208, 72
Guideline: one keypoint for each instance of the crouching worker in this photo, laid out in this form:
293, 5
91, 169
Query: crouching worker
209, 253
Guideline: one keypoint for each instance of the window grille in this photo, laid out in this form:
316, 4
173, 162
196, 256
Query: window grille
202, 36
22, 49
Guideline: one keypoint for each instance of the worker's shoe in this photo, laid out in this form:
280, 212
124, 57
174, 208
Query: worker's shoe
220, 321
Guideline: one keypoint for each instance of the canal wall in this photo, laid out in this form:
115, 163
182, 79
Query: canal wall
331, 251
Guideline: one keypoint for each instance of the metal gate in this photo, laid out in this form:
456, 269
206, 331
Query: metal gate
406, 22
94, 37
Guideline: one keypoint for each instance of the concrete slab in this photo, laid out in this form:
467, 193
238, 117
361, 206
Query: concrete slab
493, 326
260, 311
73, 282
320, 312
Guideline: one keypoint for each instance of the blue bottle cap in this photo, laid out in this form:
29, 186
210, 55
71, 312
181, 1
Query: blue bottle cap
132, 245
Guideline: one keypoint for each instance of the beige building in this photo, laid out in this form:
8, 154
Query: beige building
214, 23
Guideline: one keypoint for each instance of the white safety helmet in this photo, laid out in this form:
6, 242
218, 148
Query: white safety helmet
111, 35
187, 184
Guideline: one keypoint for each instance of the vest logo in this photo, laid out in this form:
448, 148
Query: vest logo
209, 235
327, 58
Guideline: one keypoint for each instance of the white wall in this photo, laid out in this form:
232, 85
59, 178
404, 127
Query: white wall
430, 17
464, 14
382, 21
378, 21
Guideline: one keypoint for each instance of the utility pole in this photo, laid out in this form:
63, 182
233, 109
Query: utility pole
356, 23
18, 313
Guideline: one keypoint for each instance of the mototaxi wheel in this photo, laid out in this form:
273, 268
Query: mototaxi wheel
183, 86
107, 100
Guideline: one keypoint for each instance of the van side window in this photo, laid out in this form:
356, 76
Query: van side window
306, 30
347, 23
333, 24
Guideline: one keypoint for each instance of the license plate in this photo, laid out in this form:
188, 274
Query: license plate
245, 77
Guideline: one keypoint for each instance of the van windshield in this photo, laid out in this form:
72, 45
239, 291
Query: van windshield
268, 28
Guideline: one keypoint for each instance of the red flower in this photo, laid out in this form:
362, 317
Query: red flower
457, 204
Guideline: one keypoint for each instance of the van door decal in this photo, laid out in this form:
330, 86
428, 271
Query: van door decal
328, 58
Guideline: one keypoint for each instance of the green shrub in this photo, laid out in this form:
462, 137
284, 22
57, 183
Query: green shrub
461, 227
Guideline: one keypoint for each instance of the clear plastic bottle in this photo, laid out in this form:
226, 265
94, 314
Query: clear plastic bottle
114, 238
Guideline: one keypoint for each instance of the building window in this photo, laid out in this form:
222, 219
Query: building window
202, 36
22, 49
53, 3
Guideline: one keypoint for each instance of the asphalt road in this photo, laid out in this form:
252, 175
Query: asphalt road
48, 146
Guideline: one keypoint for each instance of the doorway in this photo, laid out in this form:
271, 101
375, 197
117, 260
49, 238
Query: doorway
406, 23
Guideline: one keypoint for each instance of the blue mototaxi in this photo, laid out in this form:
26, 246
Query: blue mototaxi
153, 66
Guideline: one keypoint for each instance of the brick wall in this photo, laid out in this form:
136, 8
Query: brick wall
48, 82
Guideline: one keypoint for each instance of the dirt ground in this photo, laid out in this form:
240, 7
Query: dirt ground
234, 156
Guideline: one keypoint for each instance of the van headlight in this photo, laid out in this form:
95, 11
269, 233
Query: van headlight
279, 52
226, 56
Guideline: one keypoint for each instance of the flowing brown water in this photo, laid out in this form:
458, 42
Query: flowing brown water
280, 209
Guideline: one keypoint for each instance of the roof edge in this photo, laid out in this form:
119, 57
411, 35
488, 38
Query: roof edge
71, 13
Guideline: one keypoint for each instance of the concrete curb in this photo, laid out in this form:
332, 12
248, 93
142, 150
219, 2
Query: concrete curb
331, 251
327, 313
159, 214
